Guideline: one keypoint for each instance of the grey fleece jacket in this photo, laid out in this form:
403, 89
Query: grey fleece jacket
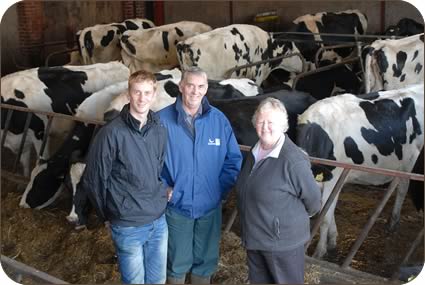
275, 200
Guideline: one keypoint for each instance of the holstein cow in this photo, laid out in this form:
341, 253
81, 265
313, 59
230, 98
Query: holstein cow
101, 43
382, 129
392, 64
155, 49
47, 178
404, 28
222, 49
327, 83
239, 111
52, 89
344, 22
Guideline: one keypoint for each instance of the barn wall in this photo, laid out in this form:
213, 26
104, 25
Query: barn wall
9, 40
64, 19
244, 11
393, 14
60, 21
214, 13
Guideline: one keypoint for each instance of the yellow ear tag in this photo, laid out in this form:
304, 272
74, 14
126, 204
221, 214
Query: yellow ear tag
319, 177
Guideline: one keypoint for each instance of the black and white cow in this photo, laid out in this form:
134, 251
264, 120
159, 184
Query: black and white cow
404, 28
392, 64
52, 89
344, 22
323, 84
101, 43
239, 111
224, 48
381, 129
155, 49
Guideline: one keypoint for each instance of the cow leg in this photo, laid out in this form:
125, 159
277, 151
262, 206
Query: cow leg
394, 222
82, 207
332, 234
328, 231
25, 160
80, 202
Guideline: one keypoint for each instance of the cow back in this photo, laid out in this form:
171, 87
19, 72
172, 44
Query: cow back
392, 64
155, 49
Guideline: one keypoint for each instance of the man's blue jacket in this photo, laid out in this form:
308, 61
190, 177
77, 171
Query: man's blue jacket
202, 168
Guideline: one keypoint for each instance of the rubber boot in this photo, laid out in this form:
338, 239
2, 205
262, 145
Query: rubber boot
195, 279
175, 280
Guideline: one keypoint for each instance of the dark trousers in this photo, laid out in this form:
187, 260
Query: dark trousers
276, 267
193, 244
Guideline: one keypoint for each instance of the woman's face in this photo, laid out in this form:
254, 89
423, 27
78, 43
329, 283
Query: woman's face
269, 126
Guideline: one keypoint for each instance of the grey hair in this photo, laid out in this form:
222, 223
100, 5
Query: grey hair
193, 70
276, 105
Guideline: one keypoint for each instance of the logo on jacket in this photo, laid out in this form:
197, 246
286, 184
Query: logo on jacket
215, 142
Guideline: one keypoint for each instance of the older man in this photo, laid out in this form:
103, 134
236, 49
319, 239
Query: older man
202, 163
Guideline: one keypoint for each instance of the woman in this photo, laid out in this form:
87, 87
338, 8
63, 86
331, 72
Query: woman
276, 195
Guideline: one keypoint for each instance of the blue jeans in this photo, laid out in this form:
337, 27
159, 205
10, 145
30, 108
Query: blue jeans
142, 252
193, 244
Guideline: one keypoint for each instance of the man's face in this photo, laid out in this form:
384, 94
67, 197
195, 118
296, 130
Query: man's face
141, 96
193, 89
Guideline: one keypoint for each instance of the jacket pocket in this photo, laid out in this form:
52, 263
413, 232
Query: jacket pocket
276, 227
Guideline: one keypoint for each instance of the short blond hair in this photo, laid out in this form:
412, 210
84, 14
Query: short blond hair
142, 76
276, 105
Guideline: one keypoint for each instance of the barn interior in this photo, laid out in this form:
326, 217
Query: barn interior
42, 33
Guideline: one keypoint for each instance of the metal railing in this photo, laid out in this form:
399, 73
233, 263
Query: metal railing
53, 54
29, 113
20, 270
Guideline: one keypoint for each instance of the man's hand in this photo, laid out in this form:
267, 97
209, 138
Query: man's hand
169, 193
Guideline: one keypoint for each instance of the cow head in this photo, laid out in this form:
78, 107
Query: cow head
44, 187
46, 182
316, 142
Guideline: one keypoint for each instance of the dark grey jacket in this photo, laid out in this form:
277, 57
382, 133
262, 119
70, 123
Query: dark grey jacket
276, 199
122, 176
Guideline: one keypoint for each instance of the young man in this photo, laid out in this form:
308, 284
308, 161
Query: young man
202, 163
122, 180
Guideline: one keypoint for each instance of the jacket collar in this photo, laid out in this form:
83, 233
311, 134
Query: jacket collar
133, 123
276, 149
181, 113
